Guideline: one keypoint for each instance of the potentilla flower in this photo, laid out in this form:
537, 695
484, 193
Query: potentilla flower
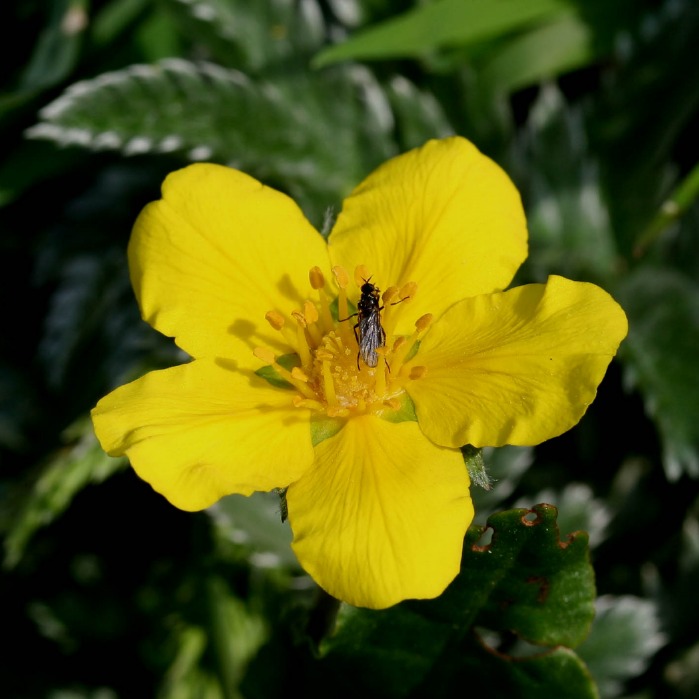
360, 416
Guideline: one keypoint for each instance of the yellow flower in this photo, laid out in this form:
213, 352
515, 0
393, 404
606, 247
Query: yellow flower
276, 395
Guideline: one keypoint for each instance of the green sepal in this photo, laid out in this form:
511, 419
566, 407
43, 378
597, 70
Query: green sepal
405, 413
473, 458
324, 427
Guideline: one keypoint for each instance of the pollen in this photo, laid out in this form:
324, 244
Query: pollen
347, 363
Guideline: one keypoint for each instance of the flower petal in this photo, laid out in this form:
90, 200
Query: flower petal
217, 252
518, 367
200, 431
443, 215
382, 514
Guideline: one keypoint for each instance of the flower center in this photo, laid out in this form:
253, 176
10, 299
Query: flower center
347, 362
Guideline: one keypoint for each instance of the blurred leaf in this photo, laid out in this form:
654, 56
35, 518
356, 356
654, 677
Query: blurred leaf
441, 23
578, 510
419, 114
314, 133
525, 581
660, 359
251, 36
646, 105
255, 522
80, 463
570, 232
505, 466
542, 53
624, 637
57, 49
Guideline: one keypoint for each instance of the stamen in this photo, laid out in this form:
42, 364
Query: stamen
300, 374
301, 402
275, 319
267, 356
310, 316
329, 384
278, 322
302, 339
342, 279
417, 372
380, 373
317, 279
421, 325
408, 291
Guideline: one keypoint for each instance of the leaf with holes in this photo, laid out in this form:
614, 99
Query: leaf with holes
525, 582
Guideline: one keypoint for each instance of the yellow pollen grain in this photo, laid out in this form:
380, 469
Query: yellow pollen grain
417, 372
316, 278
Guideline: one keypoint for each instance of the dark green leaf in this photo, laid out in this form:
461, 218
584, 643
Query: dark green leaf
206, 112
660, 358
525, 581
67, 472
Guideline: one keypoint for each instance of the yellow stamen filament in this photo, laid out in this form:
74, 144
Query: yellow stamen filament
421, 325
329, 385
380, 375
332, 378
342, 279
267, 356
302, 339
301, 402
299, 374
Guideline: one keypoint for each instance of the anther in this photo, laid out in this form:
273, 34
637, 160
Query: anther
299, 374
417, 372
408, 291
316, 278
310, 312
389, 295
423, 322
275, 319
341, 276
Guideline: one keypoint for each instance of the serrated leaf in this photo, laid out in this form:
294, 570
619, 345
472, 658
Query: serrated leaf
570, 230
624, 637
525, 580
64, 475
315, 133
437, 24
660, 358
252, 35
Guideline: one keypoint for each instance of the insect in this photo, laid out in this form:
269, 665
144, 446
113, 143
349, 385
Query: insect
368, 330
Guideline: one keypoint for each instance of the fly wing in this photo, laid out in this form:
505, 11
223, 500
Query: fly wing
371, 337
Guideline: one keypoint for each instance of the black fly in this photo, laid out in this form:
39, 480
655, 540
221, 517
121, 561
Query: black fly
368, 330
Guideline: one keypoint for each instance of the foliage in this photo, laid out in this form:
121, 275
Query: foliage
589, 105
